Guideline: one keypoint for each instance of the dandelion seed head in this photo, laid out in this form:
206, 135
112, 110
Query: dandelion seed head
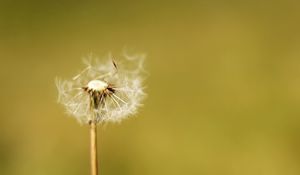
104, 91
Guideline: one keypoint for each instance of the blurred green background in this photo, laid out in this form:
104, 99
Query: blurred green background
223, 91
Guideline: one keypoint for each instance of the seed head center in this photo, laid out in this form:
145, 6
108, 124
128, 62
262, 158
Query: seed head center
97, 85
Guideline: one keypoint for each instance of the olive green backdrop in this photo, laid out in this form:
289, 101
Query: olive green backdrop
223, 86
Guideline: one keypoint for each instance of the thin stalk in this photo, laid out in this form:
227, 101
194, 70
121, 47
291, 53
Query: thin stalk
93, 135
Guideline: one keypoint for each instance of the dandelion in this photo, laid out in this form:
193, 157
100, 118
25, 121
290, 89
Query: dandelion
103, 92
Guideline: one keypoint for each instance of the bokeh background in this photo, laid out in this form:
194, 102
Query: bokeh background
223, 86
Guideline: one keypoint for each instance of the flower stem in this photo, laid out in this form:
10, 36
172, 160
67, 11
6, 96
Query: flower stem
93, 135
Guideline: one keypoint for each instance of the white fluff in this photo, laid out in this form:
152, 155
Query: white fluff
127, 80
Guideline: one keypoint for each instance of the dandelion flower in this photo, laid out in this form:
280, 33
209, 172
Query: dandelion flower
104, 91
